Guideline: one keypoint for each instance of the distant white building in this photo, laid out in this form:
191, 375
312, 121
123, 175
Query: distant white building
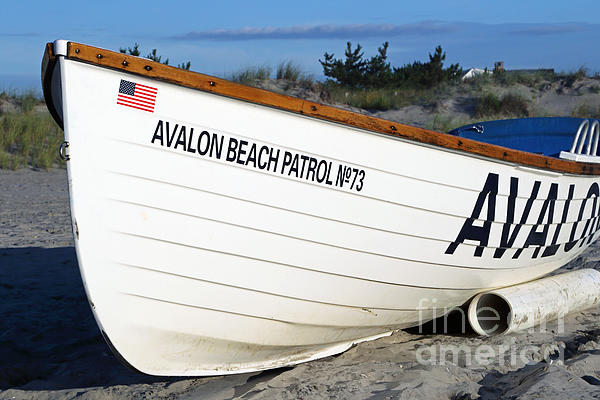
474, 72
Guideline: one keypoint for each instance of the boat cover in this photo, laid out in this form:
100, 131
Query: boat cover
548, 136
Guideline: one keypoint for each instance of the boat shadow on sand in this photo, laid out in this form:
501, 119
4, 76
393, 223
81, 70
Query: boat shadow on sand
50, 341
48, 337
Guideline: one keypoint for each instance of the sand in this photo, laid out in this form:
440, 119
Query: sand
51, 348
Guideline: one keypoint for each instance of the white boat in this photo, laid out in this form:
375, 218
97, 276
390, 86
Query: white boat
222, 229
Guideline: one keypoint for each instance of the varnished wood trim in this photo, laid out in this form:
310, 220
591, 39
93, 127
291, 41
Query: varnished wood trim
154, 70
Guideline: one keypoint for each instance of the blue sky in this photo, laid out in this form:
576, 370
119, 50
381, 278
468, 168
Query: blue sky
220, 37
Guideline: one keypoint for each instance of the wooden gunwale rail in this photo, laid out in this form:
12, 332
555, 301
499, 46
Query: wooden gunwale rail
194, 80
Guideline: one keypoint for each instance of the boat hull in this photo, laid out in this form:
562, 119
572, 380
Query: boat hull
208, 245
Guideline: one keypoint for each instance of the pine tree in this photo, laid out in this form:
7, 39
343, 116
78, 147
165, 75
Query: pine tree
153, 55
349, 72
378, 72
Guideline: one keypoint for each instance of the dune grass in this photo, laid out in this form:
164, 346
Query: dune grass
385, 98
291, 72
511, 78
249, 75
491, 105
587, 111
446, 123
287, 71
29, 138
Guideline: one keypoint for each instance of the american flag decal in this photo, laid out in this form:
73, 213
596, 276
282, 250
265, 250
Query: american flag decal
136, 95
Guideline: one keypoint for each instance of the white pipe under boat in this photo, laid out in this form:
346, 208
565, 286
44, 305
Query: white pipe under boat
524, 306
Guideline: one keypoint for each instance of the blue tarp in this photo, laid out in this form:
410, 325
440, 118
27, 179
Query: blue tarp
548, 136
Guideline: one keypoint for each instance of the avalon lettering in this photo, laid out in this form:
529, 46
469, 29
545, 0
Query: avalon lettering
258, 156
477, 228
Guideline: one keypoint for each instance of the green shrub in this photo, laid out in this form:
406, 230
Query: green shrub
427, 74
571, 77
508, 105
